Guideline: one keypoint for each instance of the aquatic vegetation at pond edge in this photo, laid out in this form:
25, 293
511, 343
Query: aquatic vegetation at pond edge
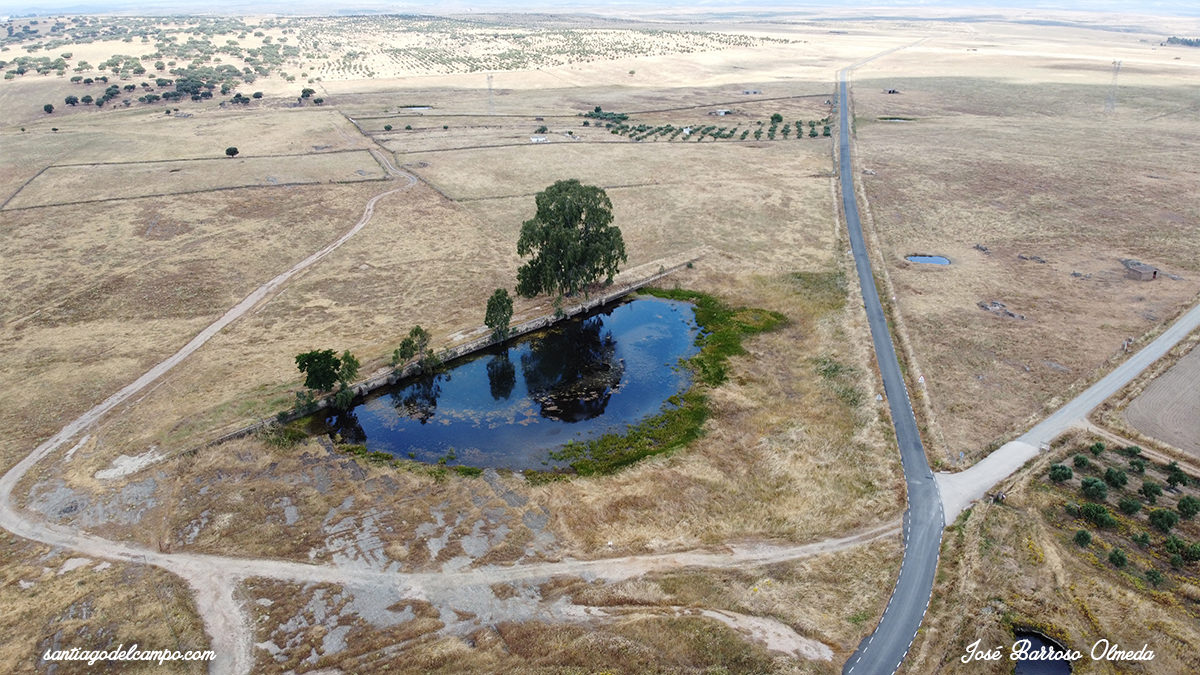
722, 330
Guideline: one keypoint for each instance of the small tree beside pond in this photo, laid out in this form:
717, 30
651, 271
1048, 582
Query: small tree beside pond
416, 345
499, 314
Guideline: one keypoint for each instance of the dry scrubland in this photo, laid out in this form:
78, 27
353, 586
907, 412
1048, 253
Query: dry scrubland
56, 601
1016, 565
1001, 140
107, 182
1007, 148
795, 450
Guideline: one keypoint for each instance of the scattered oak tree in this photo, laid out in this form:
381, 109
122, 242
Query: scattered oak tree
1094, 488
1060, 473
415, 345
323, 370
1164, 519
1188, 507
499, 314
572, 240
320, 368
231, 151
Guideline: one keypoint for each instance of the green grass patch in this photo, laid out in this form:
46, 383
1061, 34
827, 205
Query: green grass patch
673, 428
722, 329
839, 378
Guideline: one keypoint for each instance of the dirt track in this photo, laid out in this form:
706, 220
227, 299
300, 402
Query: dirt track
214, 579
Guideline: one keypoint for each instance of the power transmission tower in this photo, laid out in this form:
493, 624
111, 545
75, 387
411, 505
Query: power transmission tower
491, 103
1110, 104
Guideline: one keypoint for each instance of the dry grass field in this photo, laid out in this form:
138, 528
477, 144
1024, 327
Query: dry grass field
1015, 565
56, 601
1007, 147
1001, 142
1169, 409
107, 182
128, 136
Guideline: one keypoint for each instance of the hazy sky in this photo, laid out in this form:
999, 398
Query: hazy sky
19, 7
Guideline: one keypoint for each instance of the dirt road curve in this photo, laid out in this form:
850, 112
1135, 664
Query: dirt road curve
215, 578
222, 616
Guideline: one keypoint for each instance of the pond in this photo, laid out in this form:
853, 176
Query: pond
510, 407
928, 259
1034, 666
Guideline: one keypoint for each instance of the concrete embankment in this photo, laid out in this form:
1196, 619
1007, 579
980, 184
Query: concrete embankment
628, 282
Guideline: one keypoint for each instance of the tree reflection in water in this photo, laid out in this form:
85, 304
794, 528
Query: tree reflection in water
502, 376
573, 371
345, 425
419, 399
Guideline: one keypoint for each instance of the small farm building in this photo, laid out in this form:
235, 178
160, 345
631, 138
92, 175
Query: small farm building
1141, 272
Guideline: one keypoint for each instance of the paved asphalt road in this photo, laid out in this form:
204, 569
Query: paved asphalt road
885, 649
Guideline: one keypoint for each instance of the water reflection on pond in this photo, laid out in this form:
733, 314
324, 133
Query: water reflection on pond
512, 407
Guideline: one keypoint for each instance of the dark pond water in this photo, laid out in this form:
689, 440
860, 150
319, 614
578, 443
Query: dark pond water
928, 259
1040, 667
509, 408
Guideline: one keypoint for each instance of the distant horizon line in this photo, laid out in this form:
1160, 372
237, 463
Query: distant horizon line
695, 10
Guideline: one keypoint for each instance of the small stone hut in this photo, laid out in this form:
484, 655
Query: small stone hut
1141, 272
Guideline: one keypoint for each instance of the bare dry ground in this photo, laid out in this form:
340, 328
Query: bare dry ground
56, 601
1169, 409
999, 139
795, 450
87, 183
103, 291
650, 624
1015, 565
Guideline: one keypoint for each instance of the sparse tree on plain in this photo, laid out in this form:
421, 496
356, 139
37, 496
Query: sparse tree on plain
1094, 488
320, 367
1154, 577
1151, 491
231, 152
572, 240
48, 108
